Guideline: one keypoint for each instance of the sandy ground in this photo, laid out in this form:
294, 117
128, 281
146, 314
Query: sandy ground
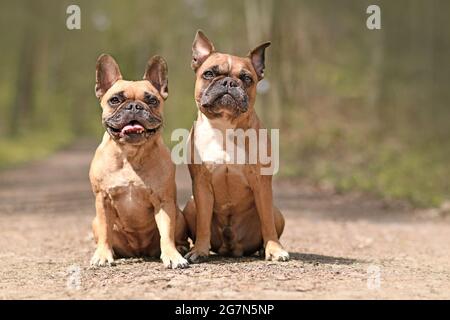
342, 246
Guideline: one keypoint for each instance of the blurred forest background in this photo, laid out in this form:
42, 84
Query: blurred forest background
357, 108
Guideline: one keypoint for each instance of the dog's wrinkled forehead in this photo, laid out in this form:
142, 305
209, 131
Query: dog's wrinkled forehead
227, 64
132, 90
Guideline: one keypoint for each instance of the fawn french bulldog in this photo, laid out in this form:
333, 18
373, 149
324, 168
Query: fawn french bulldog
132, 175
231, 212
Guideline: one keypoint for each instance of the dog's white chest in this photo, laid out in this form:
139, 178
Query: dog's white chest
212, 144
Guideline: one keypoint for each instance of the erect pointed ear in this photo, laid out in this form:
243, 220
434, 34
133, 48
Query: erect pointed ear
156, 74
257, 56
107, 73
201, 49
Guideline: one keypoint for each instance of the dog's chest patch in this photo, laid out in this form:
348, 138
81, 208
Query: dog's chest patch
217, 145
209, 143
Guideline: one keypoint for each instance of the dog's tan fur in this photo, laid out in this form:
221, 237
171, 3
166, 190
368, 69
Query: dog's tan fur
231, 212
134, 184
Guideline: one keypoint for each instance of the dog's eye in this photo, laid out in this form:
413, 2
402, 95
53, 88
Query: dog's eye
152, 101
246, 79
114, 101
208, 75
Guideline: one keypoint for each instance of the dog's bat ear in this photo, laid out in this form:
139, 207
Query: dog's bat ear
157, 74
202, 47
257, 56
107, 73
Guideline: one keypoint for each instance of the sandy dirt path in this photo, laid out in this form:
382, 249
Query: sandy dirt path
342, 246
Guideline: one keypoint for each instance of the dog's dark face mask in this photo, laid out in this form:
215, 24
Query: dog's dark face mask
224, 91
133, 121
132, 110
226, 84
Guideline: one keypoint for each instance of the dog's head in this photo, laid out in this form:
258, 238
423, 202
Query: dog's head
132, 110
225, 84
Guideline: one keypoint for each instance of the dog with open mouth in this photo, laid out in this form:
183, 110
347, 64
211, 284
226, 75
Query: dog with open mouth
132, 175
231, 212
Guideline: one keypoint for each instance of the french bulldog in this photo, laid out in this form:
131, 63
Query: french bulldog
231, 212
132, 175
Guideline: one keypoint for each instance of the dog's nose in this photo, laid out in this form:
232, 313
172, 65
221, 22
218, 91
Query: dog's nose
229, 82
132, 106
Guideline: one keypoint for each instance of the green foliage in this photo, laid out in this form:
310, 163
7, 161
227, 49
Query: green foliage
418, 175
31, 146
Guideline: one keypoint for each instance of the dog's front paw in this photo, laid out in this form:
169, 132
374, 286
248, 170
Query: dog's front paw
103, 256
174, 260
275, 252
197, 255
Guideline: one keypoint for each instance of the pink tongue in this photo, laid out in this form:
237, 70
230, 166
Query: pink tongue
132, 128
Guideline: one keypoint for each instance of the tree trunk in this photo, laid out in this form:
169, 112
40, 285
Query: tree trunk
23, 103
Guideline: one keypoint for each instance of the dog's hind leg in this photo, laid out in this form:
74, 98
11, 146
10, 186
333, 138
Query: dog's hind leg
190, 218
279, 221
181, 234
